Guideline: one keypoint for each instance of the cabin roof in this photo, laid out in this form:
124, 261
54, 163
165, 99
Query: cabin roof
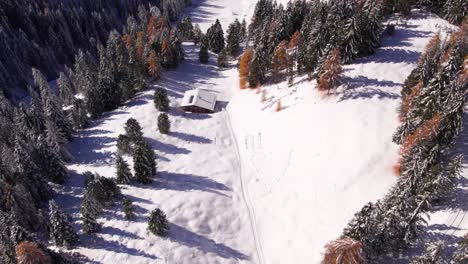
201, 98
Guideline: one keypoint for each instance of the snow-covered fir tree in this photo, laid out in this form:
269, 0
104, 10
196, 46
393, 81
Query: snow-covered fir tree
60, 229
158, 224
432, 255
161, 101
133, 130
124, 145
215, 37
65, 90
204, 55
222, 59
164, 125
128, 209
144, 162
234, 38
124, 175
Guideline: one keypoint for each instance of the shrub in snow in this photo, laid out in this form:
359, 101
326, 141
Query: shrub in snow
158, 223
164, 125
60, 230
124, 175
133, 130
161, 101
343, 251
128, 209
124, 145
144, 163
29, 253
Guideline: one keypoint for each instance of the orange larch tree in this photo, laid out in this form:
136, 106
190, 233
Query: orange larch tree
280, 60
407, 101
331, 76
28, 253
294, 40
140, 45
244, 67
343, 251
154, 66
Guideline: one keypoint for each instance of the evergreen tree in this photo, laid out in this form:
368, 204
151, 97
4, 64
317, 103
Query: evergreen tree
124, 175
215, 37
243, 30
456, 11
223, 59
461, 253
185, 29
124, 145
161, 101
90, 211
432, 255
65, 90
158, 224
234, 38
197, 34
61, 231
133, 130
351, 41
79, 114
164, 125
128, 209
204, 55
144, 163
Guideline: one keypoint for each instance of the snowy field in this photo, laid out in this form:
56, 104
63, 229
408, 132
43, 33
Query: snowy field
248, 184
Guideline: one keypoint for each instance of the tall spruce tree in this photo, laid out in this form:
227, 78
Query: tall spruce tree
161, 101
215, 37
124, 175
144, 162
233, 38
60, 230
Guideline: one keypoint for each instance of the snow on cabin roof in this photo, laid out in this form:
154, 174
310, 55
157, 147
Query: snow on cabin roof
201, 98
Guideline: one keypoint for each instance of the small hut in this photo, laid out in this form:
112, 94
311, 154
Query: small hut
199, 101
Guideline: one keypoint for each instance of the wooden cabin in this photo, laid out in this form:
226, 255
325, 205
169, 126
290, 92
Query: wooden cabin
199, 101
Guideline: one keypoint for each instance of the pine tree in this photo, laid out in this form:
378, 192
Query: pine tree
215, 37
351, 41
244, 67
124, 145
197, 34
243, 30
161, 101
61, 231
233, 38
133, 130
90, 210
185, 29
204, 55
164, 125
144, 163
79, 114
461, 253
456, 11
432, 255
65, 90
223, 59
124, 175
158, 224
128, 209
331, 77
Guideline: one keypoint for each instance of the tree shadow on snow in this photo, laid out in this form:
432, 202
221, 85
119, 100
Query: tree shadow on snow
188, 182
199, 14
97, 242
167, 148
361, 87
190, 138
190, 239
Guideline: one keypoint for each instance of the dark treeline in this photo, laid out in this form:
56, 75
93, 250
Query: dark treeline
119, 48
48, 34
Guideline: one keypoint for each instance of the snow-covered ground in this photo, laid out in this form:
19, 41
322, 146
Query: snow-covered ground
315, 163
248, 184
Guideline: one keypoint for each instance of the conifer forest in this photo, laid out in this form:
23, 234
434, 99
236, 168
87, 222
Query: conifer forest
219, 131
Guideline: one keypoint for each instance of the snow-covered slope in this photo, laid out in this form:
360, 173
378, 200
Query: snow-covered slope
248, 184
314, 164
